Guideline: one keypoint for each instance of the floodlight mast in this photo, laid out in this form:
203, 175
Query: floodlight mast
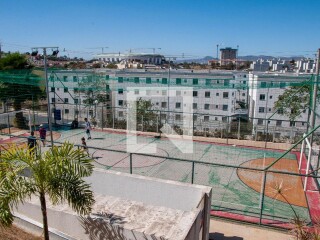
55, 52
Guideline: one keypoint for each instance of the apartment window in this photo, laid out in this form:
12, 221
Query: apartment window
148, 80
282, 85
66, 100
66, 111
178, 93
292, 123
263, 84
260, 121
53, 89
75, 79
269, 109
206, 106
207, 94
136, 80
216, 118
243, 94
208, 82
195, 117
261, 109
226, 82
195, 93
65, 89
217, 106
225, 95
206, 118
76, 101
178, 81
195, 105
163, 104
120, 79
232, 94
120, 102
262, 97
120, 91
217, 94
278, 123
178, 105
65, 78
163, 116
164, 81
195, 81
120, 114
280, 111
53, 100
136, 91
224, 119
178, 117
107, 77
225, 107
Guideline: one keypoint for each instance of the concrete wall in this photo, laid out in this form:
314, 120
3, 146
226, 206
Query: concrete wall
153, 191
193, 200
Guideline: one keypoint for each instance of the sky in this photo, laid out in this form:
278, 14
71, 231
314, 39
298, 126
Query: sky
190, 28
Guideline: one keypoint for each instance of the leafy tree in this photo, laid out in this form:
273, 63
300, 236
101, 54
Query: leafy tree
145, 115
294, 100
56, 174
112, 66
94, 89
16, 84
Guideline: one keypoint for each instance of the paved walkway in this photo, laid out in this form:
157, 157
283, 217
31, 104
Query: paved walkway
226, 230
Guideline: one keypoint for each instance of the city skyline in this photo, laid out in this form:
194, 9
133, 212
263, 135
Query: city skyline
177, 27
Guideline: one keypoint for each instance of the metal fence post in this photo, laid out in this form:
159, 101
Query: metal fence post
9, 124
102, 123
192, 124
130, 155
142, 123
157, 124
239, 127
113, 112
192, 175
263, 188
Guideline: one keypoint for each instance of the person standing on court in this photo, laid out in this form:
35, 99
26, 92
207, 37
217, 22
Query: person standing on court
43, 133
88, 128
84, 145
32, 142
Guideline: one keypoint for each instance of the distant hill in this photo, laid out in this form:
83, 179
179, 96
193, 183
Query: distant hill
247, 58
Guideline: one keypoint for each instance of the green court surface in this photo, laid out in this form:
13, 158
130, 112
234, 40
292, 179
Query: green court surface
229, 192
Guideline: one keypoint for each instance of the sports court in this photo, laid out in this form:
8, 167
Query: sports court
232, 171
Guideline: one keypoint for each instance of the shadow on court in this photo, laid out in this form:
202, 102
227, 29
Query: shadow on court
220, 236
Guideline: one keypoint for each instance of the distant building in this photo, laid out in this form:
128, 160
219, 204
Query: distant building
129, 58
228, 55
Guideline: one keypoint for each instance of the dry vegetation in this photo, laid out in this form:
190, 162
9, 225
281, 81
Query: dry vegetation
14, 233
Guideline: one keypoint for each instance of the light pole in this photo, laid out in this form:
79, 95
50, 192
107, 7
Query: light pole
54, 53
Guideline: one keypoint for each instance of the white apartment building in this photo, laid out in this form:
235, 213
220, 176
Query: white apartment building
214, 99
264, 91
214, 96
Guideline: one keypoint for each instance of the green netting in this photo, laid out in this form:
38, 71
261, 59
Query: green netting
103, 81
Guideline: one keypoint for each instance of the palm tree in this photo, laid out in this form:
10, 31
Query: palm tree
56, 174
